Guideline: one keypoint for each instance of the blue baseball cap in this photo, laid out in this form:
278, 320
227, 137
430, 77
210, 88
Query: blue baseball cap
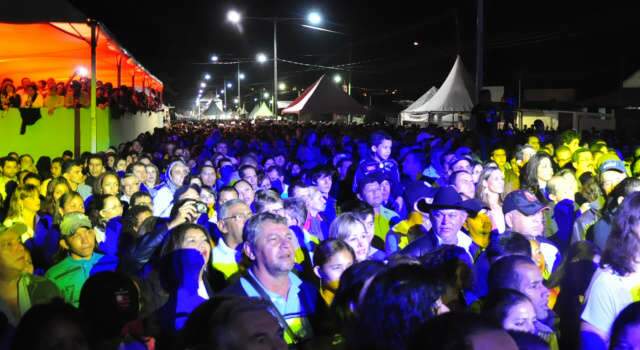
612, 164
522, 201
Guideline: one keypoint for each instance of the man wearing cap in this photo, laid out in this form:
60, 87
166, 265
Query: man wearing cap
612, 172
523, 213
447, 213
79, 240
19, 288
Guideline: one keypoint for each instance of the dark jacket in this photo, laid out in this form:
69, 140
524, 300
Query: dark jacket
421, 246
44, 244
428, 243
601, 230
583, 225
137, 252
565, 214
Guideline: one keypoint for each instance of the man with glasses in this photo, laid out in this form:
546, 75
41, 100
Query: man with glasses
231, 218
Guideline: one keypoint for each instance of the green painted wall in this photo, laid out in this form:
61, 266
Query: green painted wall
52, 134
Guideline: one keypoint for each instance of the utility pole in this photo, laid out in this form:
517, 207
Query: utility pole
479, 47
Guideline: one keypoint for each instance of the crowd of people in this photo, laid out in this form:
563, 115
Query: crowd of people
321, 236
76, 93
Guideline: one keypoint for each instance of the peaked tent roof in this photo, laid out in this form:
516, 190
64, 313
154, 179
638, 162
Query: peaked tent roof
422, 100
324, 97
455, 94
51, 38
213, 110
260, 111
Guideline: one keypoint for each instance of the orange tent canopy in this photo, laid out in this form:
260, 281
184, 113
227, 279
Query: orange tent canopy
58, 49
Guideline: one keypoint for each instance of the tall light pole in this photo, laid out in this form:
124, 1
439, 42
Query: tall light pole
215, 59
314, 18
479, 47
275, 68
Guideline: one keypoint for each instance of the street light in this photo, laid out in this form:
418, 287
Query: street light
314, 18
229, 85
261, 58
207, 76
337, 78
282, 86
241, 76
214, 58
265, 95
235, 17
203, 85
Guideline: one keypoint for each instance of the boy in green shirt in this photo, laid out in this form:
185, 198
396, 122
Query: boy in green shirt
79, 239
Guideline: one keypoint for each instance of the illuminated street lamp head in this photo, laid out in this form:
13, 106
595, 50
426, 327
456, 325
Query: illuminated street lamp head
241, 76
203, 85
222, 91
261, 58
207, 76
314, 18
265, 95
235, 100
200, 91
282, 86
229, 85
233, 16
337, 78
214, 58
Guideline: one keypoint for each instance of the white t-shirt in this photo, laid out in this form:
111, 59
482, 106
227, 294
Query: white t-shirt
607, 295
464, 242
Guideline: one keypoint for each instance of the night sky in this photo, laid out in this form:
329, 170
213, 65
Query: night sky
546, 44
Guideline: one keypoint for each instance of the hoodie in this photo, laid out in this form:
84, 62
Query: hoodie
163, 202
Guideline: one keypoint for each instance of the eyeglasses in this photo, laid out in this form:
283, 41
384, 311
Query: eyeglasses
239, 216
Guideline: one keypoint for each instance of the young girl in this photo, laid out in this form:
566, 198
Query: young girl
330, 259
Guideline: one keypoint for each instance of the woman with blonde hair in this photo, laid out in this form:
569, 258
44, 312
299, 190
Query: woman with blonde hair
39, 238
348, 228
490, 190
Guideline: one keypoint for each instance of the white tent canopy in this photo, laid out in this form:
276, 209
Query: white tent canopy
422, 100
213, 111
407, 113
260, 111
455, 94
